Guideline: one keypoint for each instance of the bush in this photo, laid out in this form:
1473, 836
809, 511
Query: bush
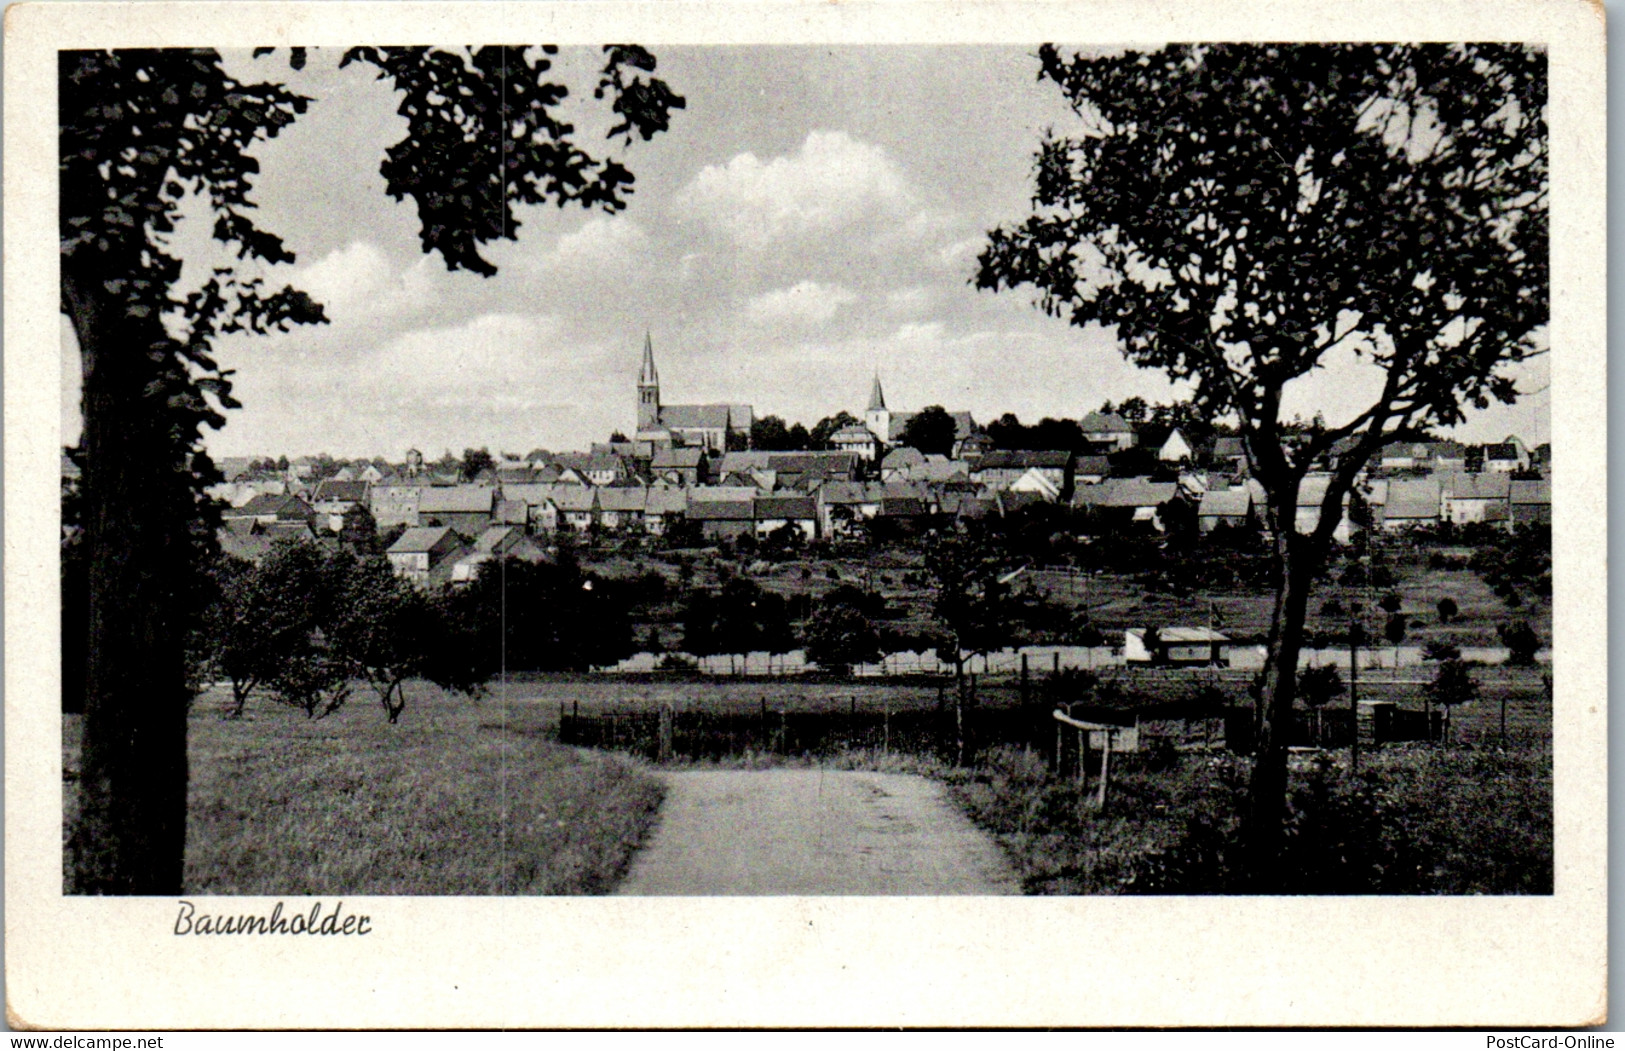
1521, 642
1448, 610
1441, 650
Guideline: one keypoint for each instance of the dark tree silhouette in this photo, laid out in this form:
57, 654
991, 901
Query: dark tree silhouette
141, 131
931, 431
1237, 212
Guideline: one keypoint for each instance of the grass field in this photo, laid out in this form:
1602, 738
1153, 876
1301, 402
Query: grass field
1416, 821
450, 801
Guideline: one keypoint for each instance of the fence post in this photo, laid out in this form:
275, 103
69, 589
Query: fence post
663, 745
1105, 770
767, 737
1024, 681
564, 735
885, 724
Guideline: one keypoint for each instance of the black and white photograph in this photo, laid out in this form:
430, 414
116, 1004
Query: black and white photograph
950, 494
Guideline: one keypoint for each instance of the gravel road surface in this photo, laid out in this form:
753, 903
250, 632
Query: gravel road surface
813, 832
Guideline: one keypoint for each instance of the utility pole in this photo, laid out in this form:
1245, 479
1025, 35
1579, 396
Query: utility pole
1354, 696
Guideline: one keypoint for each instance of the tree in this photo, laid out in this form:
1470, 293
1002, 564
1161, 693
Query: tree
1319, 685
1237, 213
475, 461
1452, 684
971, 603
839, 635
1394, 631
771, 433
1448, 610
380, 626
931, 431
1521, 642
825, 428
142, 132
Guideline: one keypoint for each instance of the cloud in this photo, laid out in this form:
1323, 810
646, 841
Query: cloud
832, 181
602, 242
490, 353
805, 301
359, 282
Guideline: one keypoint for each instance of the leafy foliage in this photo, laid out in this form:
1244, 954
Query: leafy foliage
1320, 684
931, 431
839, 635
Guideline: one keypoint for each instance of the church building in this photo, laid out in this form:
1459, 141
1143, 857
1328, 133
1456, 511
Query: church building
716, 427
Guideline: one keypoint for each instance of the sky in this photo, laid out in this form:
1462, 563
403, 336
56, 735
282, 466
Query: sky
811, 218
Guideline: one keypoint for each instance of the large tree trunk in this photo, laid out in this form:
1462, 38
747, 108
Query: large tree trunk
130, 834
1298, 561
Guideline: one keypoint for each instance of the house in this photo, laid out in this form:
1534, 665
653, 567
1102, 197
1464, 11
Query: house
494, 544
858, 440
805, 471
1505, 457
621, 509
1138, 498
1036, 481
1090, 470
420, 549
1107, 432
1002, 468
1229, 454
1176, 646
1411, 502
270, 508
1227, 507
723, 519
899, 462
776, 512
577, 507
973, 448
469, 509
1174, 448
682, 466
663, 509
841, 504
1475, 497
1530, 502
1311, 496
334, 499
394, 505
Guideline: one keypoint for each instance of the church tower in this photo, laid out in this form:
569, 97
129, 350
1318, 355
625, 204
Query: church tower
648, 389
877, 417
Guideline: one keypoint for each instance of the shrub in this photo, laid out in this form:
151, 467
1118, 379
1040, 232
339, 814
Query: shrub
1390, 602
1521, 642
1448, 610
1441, 650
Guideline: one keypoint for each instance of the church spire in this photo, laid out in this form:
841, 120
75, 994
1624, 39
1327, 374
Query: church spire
648, 377
877, 400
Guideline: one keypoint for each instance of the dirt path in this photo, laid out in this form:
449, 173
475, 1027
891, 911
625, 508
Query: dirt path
813, 832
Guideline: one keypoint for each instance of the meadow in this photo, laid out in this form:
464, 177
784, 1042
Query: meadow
452, 800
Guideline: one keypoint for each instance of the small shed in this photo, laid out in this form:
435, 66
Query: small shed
1176, 647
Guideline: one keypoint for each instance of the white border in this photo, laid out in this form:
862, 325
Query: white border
459, 962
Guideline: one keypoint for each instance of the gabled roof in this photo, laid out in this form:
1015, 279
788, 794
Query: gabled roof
530, 494
1125, 492
1092, 465
1412, 498
419, 540
622, 500
853, 432
1534, 491
1226, 503
457, 499
769, 508
722, 511
493, 538
334, 491
666, 502
1229, 446
1022, 459
694, 417
680, 458
281, 505
848, 493
1105, 423
575, 498
701, 494
901, 457
1491, 485
903, 507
